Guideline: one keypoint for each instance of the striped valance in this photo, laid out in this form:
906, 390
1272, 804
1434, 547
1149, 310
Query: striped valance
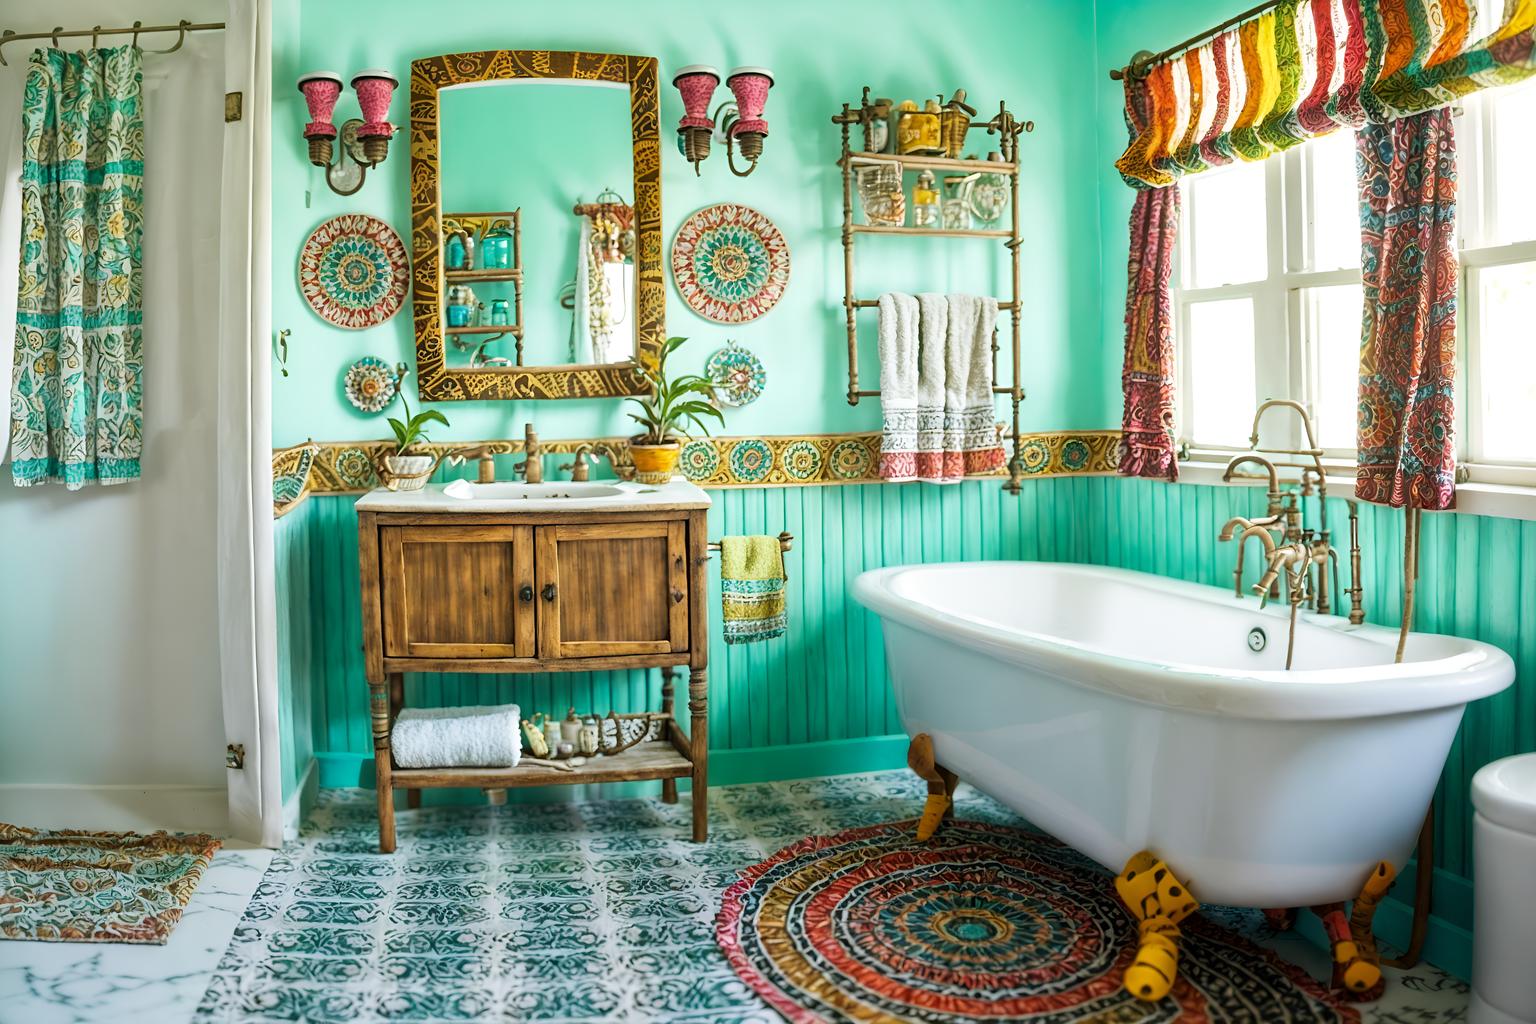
1307, 67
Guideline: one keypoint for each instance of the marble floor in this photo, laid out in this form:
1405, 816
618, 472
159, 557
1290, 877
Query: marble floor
80, 982
597, 911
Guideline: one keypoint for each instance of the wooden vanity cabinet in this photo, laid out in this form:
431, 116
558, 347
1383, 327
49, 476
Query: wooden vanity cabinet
541, 592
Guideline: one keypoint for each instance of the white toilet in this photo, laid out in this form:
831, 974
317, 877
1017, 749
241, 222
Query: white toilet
1504, 866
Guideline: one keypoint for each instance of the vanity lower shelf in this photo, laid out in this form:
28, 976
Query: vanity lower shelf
654, 759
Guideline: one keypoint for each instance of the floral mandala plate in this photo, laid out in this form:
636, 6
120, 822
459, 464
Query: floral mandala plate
353, 271
738, 375
370, 384
730, 263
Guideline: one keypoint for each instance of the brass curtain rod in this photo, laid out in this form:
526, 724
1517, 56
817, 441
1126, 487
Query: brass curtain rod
183, 27
1139, 65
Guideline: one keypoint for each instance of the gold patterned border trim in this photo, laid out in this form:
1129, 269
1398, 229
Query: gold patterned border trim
346, 467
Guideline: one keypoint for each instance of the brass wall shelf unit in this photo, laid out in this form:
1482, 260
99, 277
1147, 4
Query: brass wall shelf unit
1008, 129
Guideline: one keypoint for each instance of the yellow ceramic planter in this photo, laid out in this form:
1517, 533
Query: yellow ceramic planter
655, 463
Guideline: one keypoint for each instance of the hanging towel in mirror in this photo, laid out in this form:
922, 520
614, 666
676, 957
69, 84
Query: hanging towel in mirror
898, 387
752, 588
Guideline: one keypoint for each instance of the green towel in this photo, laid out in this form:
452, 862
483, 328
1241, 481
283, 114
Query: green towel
752, 588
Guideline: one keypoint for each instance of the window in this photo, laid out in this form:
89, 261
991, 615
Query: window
1268, 296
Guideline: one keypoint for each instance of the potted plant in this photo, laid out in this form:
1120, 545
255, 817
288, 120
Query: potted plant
405, 469
672, 403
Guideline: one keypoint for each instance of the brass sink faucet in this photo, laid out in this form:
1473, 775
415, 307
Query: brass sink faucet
532, 467
578, 464
485, 457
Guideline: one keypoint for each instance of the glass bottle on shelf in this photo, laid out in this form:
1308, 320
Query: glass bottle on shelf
925, 201
496, 247
957, 210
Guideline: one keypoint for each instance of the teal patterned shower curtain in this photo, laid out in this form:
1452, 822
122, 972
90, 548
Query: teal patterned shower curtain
77, 388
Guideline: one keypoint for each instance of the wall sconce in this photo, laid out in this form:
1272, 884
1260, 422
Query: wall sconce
696, 83
740, 123
364, 141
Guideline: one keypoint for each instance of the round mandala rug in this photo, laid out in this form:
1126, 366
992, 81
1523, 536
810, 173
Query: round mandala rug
730, 263
981, 923
353, 271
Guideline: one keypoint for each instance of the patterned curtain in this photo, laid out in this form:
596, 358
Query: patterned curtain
1146, 447
77, 385
1308, 67
1407, 450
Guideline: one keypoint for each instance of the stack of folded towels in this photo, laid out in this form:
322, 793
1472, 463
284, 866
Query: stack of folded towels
474, 737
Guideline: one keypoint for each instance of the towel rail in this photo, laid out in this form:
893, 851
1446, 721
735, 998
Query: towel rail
786, 542
875, 304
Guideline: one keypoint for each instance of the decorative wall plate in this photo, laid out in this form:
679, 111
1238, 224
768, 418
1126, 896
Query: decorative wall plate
353, 271
730, 263
737, 374
370, 384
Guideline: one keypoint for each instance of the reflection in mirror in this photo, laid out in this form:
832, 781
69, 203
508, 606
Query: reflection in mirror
555, 151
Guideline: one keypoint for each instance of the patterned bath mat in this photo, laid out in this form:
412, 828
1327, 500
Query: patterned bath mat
71, 886
982, 923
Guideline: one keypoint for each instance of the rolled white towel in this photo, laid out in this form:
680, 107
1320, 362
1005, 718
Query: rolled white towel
475, 737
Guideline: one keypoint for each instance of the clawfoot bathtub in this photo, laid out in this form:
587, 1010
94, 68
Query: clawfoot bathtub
1124, 712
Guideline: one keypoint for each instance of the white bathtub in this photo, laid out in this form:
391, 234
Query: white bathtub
1122, 711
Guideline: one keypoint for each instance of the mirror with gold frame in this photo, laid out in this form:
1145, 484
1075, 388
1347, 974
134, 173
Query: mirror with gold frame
499, 243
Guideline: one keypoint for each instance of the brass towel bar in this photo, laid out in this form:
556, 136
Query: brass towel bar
183, 27
786, 541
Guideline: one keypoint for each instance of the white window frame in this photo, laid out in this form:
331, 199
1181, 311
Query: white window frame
1285, 365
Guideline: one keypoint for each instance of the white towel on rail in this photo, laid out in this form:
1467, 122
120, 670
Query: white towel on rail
970, 431
933, 311
898, 386
468, 737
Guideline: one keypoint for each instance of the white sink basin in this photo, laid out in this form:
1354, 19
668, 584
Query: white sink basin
464, 490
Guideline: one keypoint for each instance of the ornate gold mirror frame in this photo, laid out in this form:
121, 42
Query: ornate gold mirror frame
435, 380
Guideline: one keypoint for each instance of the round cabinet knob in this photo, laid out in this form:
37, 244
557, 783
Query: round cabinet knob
549, 592
526, 594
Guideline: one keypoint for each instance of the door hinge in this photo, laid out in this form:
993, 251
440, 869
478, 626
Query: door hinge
234, 106
234, 756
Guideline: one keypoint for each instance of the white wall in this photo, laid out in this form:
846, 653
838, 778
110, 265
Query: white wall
109, 662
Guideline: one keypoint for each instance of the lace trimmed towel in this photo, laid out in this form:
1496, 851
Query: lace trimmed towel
936, 387
898, 387
752, 588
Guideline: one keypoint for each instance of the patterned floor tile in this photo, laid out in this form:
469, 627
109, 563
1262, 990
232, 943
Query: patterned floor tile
568, 913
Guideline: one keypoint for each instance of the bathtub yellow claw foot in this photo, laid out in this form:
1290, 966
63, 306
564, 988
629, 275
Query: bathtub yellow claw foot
1354, 973
941, 786
1159, 902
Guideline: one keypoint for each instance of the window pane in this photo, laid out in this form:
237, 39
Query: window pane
1332, 321
1221, 371
1514, 156
1335, 214
1506, 359
1227, 243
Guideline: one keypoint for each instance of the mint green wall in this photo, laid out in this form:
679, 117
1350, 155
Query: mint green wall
1030, 52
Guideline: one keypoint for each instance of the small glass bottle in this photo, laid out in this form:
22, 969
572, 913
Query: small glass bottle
925, 201
496, 247
501, 313
957, 211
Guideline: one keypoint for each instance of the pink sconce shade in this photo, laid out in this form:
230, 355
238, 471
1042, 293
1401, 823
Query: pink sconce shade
750, 86
696, 83
321, 90
375, 87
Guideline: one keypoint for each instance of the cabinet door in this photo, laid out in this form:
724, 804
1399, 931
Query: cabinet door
613, 589
457, 591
